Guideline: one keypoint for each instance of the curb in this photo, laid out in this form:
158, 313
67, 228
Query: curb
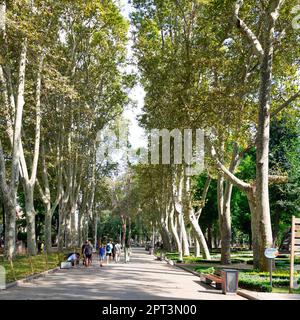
188, 270
246, 295
30, 278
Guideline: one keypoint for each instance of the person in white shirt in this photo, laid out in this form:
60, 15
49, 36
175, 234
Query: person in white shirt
117, 252
108, 248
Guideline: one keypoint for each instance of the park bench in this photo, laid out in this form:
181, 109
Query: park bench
209, 278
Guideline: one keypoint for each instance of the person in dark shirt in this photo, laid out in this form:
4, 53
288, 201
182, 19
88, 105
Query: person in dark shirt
82, 251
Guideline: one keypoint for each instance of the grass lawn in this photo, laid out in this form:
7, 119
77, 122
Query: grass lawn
22, 266
285, 290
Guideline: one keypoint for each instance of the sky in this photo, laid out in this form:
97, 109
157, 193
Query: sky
137, 94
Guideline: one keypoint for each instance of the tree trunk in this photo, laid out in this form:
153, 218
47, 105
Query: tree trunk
197, 248
80, 227
185, 242
73, 222
165, 232
123, 219
29, 183
180, 253
9, 212
85, 227
174, 231
265, 51
254, 226
61, 226
198, 233
48, 228
30, 220
209, 237
129, 232
262, 155
226, 225
95, 230
10, 227
193, 217
178, 198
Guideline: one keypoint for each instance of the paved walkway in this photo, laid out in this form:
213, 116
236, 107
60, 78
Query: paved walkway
143, 278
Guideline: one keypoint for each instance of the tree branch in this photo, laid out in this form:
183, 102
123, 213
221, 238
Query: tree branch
286, 104
230, 176
248, 32
38, 121
203, 197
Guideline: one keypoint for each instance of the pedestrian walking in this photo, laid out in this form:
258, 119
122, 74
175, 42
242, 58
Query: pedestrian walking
108, 248
88, 252
102, 255
117, 252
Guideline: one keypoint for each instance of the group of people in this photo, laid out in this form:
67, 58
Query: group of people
110, 251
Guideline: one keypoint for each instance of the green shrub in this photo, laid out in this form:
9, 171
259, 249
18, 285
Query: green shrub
259, 281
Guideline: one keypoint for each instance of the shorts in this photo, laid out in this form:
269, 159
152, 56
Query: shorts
108, 254
88, 256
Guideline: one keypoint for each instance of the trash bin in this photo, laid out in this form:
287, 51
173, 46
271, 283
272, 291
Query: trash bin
230, 279
151, 250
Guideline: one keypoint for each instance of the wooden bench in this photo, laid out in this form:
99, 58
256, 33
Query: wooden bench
209, 278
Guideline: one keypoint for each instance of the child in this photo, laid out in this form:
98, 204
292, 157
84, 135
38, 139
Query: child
101, 255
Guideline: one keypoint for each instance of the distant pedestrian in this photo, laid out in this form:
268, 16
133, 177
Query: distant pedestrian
102, 255
88, 252
108, 248
117, 252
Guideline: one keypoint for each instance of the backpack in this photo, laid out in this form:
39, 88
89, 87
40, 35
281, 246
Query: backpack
108, 247
88, 250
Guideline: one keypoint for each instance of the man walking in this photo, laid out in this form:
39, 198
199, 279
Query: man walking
108, 251
117, 252
88, 252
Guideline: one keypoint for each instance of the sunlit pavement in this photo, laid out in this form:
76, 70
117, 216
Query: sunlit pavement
143, 278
